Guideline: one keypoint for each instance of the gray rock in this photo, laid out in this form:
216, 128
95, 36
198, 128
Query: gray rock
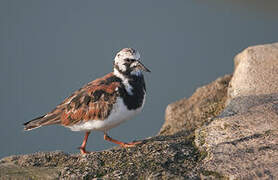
243, 141
256, 72
161, 157
188, 114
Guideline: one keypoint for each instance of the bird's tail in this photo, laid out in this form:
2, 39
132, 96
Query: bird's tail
47, 119
33, 124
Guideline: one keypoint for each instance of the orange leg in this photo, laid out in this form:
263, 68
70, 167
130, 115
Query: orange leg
83, 146
132, 144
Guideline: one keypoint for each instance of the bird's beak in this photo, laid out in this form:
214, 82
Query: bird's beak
142, 67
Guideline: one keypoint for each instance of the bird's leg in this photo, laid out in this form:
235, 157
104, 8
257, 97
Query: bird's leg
83, 146
123, 144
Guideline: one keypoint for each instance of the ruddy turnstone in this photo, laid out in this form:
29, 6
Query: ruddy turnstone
103, 103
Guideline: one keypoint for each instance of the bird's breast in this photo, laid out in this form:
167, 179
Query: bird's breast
119, 114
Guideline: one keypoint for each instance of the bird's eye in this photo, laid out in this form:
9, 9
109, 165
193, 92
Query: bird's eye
128, 60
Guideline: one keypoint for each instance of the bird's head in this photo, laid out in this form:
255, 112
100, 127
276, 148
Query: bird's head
127, 63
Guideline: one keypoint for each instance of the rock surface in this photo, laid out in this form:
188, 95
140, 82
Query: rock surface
161, 157
243, 141
256, 72
188, 114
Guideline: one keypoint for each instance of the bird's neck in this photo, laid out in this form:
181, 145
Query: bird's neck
133, 90
127, 76
132, 82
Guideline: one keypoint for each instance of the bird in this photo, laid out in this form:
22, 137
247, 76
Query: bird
104, 103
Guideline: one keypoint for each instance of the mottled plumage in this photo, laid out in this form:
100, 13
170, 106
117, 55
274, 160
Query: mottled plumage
103, 103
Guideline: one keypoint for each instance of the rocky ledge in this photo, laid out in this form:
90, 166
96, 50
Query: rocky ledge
228, 129
158, 157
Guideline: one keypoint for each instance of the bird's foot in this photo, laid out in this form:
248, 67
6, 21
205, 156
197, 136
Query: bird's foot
122, 144
83, 150
131, 144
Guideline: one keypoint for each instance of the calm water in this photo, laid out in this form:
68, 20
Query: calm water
48, 49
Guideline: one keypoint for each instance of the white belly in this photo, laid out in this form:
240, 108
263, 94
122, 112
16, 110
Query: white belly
118, 115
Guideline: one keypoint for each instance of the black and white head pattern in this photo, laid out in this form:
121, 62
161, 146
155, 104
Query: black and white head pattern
126, 60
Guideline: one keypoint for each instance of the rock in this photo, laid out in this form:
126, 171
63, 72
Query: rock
188, 114
256, 72
161, 157
242, 143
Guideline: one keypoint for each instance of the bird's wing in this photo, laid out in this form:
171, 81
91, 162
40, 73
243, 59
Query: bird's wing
94, 101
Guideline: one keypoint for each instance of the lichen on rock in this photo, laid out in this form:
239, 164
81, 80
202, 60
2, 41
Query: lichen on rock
160, 157
243, 144
188, 114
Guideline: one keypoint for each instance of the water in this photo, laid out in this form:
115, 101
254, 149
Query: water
48, 49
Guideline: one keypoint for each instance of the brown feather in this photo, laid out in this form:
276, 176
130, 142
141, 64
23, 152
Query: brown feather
93, 101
